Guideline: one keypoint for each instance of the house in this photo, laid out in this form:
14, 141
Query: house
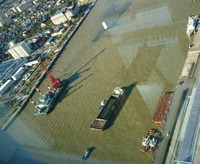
5, 21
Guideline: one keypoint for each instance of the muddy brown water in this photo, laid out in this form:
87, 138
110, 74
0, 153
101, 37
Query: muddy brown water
146, 43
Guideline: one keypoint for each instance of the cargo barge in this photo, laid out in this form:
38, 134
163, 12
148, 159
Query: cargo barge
111, 107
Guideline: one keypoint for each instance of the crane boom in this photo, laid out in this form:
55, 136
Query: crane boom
55, 82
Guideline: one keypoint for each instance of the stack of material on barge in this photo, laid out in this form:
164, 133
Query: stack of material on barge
162, 108
112, 107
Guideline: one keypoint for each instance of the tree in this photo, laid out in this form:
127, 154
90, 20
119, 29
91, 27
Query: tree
69, 3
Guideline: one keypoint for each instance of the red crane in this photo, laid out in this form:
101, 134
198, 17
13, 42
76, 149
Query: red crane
55, 82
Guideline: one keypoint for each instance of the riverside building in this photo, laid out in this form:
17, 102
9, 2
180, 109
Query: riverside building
19, 50
59, 17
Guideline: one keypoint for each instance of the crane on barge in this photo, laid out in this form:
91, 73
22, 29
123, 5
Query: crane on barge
45, 102
55, 82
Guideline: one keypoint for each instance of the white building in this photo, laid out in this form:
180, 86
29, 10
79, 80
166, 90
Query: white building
31, 63
20, 50
14, 9
58, 3
4, 21
73, 11
18, 74
5, 87
59, 17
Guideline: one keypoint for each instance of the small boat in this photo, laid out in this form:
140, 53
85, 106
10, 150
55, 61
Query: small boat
87, 153
191, 25
104, 26
103, 103
150, 141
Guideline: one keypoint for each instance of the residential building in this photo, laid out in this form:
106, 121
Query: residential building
23, 6
45, 22
5, 21
14, 9
27, 22
8, 13
19, 50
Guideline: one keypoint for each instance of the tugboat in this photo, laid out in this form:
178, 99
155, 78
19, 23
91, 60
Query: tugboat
103, 103
45, 102
150, 141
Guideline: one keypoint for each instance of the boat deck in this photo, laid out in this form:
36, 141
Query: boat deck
163, 107
109, 110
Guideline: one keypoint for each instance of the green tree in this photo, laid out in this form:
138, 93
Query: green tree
69, 3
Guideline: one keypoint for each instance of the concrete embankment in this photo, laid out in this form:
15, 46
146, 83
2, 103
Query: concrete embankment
191, 66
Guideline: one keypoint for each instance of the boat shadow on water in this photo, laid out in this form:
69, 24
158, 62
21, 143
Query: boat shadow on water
68, 90
119, 106
79, 74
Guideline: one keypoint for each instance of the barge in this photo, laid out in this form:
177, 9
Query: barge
162, 109
47, 100
111, 108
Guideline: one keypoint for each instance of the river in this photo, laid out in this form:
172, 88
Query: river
146, 42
